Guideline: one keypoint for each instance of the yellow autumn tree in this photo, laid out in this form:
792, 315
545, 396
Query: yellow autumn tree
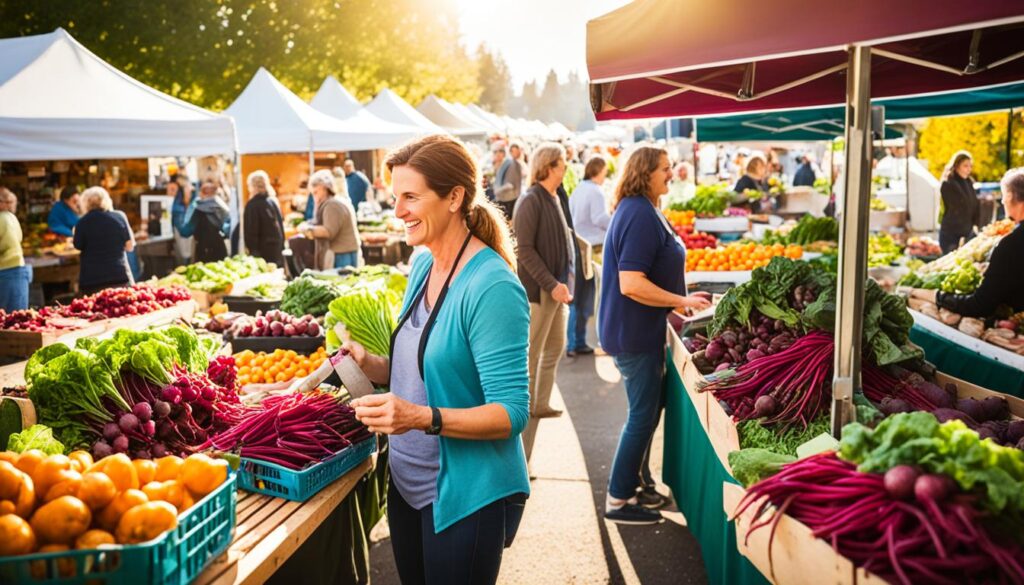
983, 135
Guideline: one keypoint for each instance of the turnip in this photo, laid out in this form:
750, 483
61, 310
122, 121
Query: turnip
995, 408
900, 481
277, 329
161, 409
128, 422
101, 449
971, 408
937, 396
149, 427
754, 354
1015, 431
764, 406
313, 330
289, 330
715, 351
120, 444
143, 411
171, 394
891, 405
932, 487
111, 431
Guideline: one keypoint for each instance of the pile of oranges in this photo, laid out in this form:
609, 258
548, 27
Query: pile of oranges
280, 366
679, 218
738, 256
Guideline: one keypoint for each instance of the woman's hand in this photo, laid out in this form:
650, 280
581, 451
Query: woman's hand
391, 415
924, 294
696, 302
561, 293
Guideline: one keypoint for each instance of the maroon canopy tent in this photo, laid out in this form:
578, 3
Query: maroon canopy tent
670, 58
661, 58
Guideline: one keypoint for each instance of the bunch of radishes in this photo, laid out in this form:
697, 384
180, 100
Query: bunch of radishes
30, 319
276, 323
125, 301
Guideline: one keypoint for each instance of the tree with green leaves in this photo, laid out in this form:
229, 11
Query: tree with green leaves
206, 51
494, 80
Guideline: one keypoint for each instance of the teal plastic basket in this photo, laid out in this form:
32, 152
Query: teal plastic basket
179, 556
298, 486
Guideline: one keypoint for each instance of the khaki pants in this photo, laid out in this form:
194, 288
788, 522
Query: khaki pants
547, 343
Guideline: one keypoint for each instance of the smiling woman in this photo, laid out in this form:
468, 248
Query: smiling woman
457, 375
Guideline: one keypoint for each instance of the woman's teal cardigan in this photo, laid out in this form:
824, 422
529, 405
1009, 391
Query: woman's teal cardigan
477, 354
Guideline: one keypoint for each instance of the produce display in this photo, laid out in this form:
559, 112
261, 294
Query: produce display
912, 500
312, 292
679, 218
883, 250
368, 310
57, 503
267, 290
275, 323
738, 256
139, 299
808, 230
696, 240
140, 392
923, 247
277, 366
294, 430
709, 200
217, 277
976, 250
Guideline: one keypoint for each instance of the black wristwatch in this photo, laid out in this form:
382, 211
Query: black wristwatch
435, 421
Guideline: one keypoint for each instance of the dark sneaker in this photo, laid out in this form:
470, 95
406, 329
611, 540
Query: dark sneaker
585, 350
633, 515
648, 497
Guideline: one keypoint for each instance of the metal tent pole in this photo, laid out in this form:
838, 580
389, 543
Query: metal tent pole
241, 203
853, 235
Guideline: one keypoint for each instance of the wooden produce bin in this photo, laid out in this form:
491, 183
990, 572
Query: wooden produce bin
796, 556
22, 344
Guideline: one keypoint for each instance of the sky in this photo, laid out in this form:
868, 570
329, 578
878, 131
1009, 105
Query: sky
533, 36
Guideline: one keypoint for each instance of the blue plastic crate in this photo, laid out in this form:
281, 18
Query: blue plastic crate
298, 486
176, 558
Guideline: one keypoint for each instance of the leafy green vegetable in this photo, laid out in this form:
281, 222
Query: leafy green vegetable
35, 437
754, 435
883, 250
38, 360
69, 390
218, 276
369, 314
887, 321
708, 200
950, 448
750, 466
808, 230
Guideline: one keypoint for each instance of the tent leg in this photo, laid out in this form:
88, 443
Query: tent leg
853, 235
241, 203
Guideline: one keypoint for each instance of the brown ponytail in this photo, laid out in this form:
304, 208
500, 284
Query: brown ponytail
445, 163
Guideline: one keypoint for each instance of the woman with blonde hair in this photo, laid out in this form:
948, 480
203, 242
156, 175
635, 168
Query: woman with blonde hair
262, 220
962, 211
547, 270
459, 392
14, 275
643, 280
103, 236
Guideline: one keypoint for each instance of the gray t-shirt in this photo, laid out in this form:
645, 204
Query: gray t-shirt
415, 456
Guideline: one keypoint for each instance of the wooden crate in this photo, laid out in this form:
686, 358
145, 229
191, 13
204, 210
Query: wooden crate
23, 344
682, 360
796, 557
722, 431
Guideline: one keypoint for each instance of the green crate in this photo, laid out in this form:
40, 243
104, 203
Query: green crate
176, 558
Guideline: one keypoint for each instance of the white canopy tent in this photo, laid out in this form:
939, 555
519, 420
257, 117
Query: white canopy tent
390, 107
272, 119
494, 120
335, 101
58, 100
444, 115
478, 121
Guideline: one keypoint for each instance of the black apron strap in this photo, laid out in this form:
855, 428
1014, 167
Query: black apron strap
433, 312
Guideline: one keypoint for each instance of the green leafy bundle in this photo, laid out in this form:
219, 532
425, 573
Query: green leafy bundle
772, 291
754, 435
750, 466
709, 200
217, 277
917, 438
369, 314
309, 295
35, 437
71, 387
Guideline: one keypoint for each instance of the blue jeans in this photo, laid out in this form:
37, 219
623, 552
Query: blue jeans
14, 287
348, 259
580, 311
643, 375
467, 552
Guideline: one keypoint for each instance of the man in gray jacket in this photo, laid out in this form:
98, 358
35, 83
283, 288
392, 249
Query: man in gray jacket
508, 181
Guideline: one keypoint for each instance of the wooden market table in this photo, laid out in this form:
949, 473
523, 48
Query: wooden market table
269, 530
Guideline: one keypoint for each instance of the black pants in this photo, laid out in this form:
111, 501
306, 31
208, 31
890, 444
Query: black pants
951, 241
467, 552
